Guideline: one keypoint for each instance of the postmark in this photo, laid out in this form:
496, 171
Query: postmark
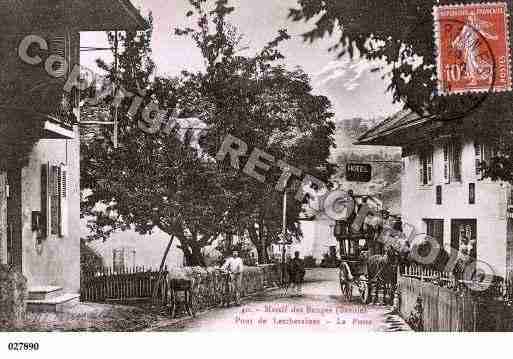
472, 45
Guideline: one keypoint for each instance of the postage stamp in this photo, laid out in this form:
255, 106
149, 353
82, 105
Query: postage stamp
472, 43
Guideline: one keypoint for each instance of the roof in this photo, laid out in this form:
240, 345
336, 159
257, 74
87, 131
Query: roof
79, 15
396, 130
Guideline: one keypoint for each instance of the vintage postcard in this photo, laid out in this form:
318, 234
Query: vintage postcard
273, 166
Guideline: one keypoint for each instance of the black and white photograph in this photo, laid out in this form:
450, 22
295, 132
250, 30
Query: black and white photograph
271, 166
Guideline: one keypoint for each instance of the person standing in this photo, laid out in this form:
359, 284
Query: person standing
234, 266
296, 271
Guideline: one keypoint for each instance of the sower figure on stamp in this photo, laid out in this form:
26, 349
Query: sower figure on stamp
468, 43
234, 266
296, 271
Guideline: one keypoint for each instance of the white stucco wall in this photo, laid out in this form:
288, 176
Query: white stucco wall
317, 238
418, 203
57, 262
149, 249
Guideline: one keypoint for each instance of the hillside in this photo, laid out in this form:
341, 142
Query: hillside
385, 161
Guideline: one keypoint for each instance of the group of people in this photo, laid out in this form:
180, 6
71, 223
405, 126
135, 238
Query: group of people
373, 225
234, 267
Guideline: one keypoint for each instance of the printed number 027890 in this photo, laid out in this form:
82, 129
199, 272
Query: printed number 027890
23, 346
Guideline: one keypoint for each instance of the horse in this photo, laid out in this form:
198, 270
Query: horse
382, 272
346, 280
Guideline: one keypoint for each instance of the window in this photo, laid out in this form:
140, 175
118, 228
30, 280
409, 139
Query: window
483, 155
438, 196
435, 229
452, 162
54, 200
472, 193
426, 167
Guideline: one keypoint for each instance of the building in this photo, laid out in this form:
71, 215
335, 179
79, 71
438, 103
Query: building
39, 135
443, 192
318, 238
129, 249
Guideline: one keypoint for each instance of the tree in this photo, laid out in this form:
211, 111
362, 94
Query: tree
149, 180
265, 105
395, 33
165, 179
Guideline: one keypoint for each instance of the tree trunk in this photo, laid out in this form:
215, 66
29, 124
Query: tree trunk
192, 252
187, 254
263, 256
228, 242
259, 244
196, 254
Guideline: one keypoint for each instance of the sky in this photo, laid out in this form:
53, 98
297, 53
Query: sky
353, 90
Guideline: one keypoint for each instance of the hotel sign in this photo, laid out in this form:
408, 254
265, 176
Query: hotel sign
358, 172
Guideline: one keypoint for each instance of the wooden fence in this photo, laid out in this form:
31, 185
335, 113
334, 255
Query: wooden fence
448, 305
124, 285
138, 284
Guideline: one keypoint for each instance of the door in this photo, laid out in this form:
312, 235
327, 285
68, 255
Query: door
464, 232
14, 225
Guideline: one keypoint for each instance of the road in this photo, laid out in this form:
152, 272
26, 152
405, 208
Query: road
321, 308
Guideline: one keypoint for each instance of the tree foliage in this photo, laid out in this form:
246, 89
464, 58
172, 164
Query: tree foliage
400, 34
167, 180
267, 106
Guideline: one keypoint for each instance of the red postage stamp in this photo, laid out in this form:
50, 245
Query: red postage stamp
472, 48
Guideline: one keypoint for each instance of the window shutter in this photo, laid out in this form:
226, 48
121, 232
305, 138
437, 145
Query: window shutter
429, 160
479, 158
54, 200
456, 157
63, 198
45, 199
60, 45
447, 168
438, 195
421, 171
472, 193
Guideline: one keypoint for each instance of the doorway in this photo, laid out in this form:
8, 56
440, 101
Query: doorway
10, 218
464, 231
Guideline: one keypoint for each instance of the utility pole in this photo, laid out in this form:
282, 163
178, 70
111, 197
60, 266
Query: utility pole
115, 131
114, 122
284, 236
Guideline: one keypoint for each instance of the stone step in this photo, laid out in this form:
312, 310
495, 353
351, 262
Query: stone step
56, 304
43, 292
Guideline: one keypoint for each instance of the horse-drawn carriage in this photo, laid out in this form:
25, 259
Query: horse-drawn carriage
364, 265
353, 265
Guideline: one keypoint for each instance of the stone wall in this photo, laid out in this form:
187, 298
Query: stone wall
208, 284
13, 292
